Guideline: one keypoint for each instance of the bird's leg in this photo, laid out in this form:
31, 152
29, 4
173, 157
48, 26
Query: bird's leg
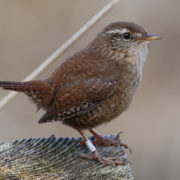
108, 141
96, 155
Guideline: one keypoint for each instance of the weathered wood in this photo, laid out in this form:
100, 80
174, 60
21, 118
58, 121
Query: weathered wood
57, 159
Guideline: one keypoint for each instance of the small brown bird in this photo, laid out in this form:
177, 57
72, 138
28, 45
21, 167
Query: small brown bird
95, 85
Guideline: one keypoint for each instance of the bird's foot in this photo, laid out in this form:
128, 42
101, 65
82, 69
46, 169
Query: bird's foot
107, 141
103, 160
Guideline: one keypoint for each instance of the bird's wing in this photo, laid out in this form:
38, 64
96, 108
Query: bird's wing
80, 96
81, 83
89, 91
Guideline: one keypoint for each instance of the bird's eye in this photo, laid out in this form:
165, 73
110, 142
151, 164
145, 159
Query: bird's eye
126, 36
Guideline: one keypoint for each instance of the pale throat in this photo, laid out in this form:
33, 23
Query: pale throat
141, 54
137, 57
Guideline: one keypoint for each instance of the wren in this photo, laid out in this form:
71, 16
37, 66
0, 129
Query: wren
95, 85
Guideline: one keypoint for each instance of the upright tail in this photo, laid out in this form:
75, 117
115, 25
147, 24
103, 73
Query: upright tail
40, 92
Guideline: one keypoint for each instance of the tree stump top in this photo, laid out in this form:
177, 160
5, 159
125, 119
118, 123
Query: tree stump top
57, 159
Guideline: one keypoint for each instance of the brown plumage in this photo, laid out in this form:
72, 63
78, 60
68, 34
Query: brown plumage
97, 83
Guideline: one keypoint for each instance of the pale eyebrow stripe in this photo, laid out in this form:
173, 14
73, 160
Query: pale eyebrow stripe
114, 31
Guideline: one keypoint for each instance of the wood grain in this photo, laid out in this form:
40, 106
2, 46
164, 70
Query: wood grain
57, 159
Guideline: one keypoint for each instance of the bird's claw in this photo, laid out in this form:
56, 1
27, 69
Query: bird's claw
103, 160
111, 141
118, 135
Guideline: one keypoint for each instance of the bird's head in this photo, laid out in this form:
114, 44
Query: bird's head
121, 38
124, 35
125, 42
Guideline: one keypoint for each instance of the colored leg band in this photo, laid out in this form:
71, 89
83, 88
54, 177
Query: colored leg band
90, 146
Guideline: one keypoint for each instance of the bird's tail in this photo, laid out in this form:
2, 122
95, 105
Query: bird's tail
40, 92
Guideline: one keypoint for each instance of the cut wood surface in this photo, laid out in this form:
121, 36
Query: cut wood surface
57, 159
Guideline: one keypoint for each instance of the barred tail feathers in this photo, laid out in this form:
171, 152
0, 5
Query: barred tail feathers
40, 92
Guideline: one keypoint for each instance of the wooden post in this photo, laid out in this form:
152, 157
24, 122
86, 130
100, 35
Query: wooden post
57, 159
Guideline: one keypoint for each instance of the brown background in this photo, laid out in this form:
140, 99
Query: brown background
31, 30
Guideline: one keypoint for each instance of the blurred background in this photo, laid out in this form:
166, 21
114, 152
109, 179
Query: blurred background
31, 30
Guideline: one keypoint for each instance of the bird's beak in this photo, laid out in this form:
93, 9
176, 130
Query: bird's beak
150, 37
